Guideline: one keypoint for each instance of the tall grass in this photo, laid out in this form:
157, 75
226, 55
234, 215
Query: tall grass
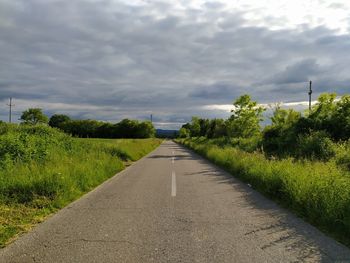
125, 149
42, 170
317, 191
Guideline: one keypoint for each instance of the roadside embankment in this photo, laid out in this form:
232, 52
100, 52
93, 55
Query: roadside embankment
319, 192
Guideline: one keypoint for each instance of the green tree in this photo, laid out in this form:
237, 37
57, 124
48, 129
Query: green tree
81, 128
216, 128
279, 137
33, 116
106, 130
340, 122
126, 128
56, 120
195, 127
283, 118
184, 133
145, 129
329, 115
204, 126
322, 112
245, 119
324, 108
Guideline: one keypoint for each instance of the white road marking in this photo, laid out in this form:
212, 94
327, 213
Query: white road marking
172, 159
173, 184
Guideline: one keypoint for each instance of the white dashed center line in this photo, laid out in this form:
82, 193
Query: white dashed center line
173, 184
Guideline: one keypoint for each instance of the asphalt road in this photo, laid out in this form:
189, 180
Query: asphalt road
174, 206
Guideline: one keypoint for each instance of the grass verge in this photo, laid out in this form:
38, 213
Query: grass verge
319, 192
43, 171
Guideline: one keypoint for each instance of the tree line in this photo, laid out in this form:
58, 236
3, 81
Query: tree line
90, 128
310, 134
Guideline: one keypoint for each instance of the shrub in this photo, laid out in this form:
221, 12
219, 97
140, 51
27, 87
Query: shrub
342, 156
27, 143
316, 145
247, 144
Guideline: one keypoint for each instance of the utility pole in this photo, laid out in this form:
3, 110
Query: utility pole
310, 92
10, 112
151, 118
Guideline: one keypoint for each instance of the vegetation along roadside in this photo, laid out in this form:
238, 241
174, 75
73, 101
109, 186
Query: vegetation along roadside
300, 160
43, 169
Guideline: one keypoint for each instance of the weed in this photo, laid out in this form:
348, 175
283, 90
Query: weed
43, 169
317, 191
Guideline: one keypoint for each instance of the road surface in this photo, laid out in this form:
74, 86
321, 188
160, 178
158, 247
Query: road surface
174, 206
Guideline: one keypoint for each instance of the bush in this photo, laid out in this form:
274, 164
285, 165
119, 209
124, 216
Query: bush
251, 144
27, 143
316, 145
342, 156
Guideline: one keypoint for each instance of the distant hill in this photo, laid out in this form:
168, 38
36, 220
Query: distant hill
166, 133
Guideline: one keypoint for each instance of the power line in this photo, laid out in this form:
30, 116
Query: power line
10, 111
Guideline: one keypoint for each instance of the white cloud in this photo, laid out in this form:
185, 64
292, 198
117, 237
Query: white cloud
229, 107
222, 107
282, 14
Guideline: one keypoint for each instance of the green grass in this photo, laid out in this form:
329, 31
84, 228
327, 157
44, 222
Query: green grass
317, 191
42, 170
126, 149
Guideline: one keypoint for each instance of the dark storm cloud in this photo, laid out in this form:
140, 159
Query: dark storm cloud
130, 60
219, 92
301, 71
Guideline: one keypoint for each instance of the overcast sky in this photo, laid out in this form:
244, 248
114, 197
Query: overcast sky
115, 59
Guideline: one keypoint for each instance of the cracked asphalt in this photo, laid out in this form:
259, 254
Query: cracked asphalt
141, 216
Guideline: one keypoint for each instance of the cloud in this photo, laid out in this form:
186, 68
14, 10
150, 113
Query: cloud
216, 91
299, 72
337, 6
113, 59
